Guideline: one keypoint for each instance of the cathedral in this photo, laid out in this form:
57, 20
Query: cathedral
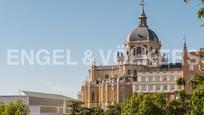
141, 68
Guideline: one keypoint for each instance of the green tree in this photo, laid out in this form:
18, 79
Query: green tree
197, 101
21, 108
85, 111
147, 107
17, 108
10, 109
197, 80
141, 104
197, 96
179, 106
152, 104
113, 110
185, 101
74, 108
131, 105
2, 108
97, 111
200, 12
159, 99
175, 108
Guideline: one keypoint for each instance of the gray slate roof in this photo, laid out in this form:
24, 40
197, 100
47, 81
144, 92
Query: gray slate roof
143, 34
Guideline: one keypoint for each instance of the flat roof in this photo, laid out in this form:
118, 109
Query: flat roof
43, 95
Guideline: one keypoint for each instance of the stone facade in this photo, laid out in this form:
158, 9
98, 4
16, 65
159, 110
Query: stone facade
104, 86
193, 63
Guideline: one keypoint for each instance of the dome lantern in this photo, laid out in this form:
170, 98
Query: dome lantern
143, 18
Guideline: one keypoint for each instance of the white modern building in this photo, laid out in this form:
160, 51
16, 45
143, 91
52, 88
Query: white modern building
41, 103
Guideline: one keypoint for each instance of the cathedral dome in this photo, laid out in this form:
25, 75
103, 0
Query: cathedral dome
143, 33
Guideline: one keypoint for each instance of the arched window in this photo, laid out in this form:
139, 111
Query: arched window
156, 51
139, 50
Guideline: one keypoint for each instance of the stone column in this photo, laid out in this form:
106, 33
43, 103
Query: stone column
89, 95
64, 107
118, 90
102, 94
106, 90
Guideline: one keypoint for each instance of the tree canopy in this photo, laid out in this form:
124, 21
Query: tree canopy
17, 108
197, 96
152, 104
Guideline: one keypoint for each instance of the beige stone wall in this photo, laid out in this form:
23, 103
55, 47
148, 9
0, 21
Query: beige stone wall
106, 91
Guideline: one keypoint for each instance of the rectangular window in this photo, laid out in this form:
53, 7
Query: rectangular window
45, 101
165, 87
151, 87
150, 78
164, 78
158, 87
144, 87
172, 78
48, 109
143, 78
137, 87
157, 78
172, 87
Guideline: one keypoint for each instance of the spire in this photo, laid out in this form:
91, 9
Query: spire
143, 18
185, 48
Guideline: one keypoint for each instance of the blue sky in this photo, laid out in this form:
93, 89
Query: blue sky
79, 25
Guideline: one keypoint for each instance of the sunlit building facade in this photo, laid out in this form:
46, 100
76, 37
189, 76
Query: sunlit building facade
193, 64
141, 68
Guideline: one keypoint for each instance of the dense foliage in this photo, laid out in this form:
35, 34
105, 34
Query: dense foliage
114, 110
197, 96
139, 104
17, 108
